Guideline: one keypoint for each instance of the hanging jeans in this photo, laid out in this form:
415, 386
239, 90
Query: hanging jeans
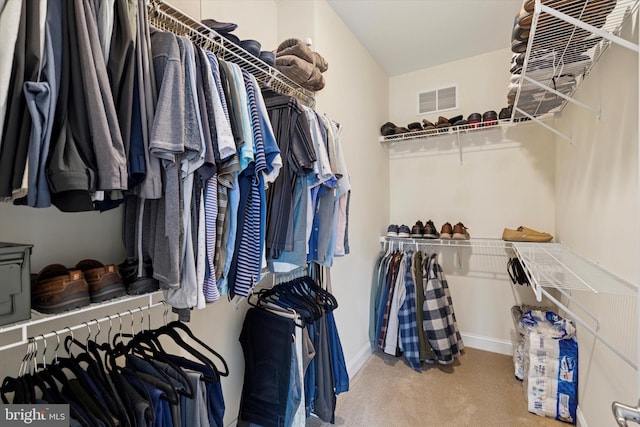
266, 343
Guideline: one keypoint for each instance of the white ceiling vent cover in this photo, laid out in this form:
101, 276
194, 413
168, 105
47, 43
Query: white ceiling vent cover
438, 100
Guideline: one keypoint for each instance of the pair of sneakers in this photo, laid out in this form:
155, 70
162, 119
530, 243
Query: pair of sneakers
427, 230
395, 230
456, 232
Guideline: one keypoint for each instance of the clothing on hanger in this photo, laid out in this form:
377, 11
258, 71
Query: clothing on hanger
412, 309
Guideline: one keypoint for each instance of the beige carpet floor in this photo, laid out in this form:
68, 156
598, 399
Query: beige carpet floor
479, 389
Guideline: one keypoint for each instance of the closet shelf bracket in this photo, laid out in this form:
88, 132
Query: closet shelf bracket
591, 330
543, 124
459, 146
595, 111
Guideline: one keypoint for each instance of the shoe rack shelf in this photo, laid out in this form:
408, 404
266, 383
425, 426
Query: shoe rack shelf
26, 327
408, 242
469, 129
565, 43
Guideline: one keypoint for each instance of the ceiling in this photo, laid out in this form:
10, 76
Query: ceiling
408, 35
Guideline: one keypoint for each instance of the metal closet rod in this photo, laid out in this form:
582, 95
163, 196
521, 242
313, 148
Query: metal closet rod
87, 325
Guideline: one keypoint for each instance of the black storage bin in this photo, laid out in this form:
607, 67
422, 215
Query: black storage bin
15, 282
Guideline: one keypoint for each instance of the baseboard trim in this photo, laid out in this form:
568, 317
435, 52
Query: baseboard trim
488, 344
354, 365
581, 421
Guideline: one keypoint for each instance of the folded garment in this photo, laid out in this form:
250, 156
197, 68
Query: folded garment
295, 47
300, 71
298, 48
320, 62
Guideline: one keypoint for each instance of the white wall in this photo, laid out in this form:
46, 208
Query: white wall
482, 85
597, 215
488, 180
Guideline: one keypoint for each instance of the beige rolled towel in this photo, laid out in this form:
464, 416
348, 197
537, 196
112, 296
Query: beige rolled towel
315, 81
295, 68
320, 62
301, 72
295, 47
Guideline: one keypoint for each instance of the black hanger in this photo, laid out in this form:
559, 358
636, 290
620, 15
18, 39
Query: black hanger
96, 371
281, 296
171, 329
143, 345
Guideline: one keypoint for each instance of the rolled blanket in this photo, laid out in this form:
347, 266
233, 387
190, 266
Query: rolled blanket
315, 82
297, 48
320, 62
300, 71
295, 68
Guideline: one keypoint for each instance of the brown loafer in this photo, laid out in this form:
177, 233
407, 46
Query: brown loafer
56, 289
427, 125
104, 281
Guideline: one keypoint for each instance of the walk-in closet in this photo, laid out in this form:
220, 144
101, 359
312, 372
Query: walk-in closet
322, 212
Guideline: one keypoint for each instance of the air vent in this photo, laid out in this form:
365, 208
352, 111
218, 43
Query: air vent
438, 100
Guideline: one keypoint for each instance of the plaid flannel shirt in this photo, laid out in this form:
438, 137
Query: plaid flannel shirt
407, 318
439, 319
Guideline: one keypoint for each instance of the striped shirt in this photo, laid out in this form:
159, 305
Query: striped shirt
245, 270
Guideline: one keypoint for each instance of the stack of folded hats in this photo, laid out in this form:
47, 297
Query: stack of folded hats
225, 29
297, 61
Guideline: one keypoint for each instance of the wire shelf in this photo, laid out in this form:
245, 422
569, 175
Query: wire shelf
167, 18
469, 130
553, 265
564, 42
37, 318
452, 130
409, 242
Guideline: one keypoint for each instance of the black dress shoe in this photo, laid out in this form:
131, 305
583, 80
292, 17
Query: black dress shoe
489, 118
474, 119
387, 129
454, 119
505, 113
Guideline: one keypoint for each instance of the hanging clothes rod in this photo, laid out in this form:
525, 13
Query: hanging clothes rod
24, 326
473, 243
167, 18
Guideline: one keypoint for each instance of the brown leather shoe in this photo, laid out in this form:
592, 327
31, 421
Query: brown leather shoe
56, 289
104, 281
443, 124
460, 232
446, 231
